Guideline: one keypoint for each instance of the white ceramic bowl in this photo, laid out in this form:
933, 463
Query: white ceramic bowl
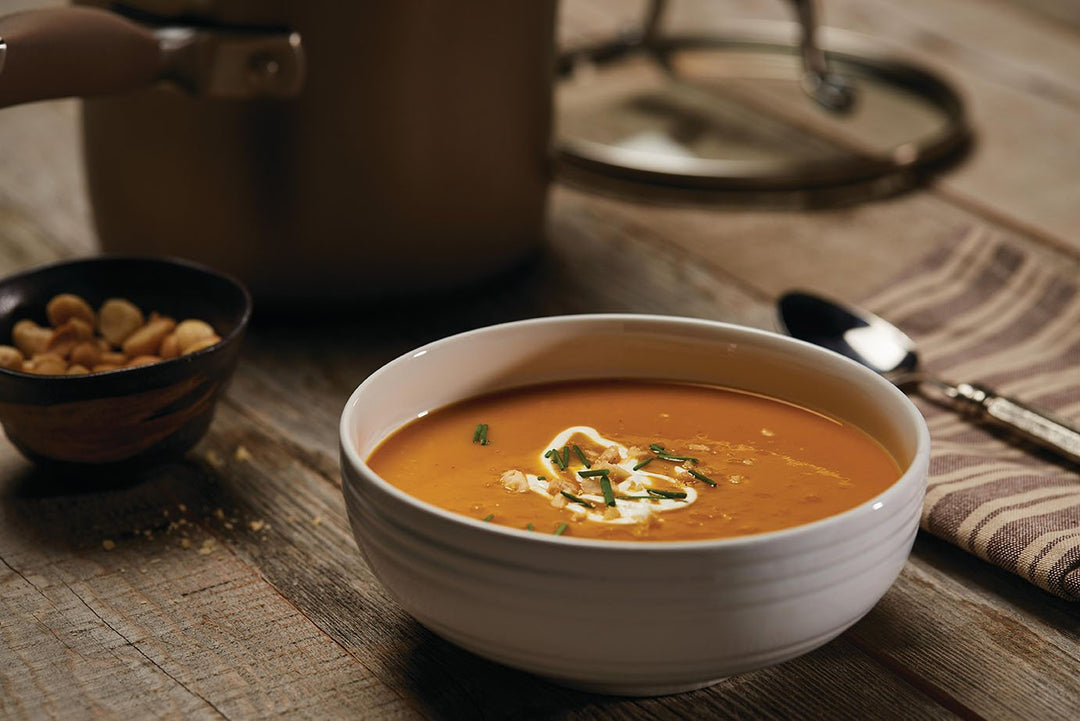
681, 615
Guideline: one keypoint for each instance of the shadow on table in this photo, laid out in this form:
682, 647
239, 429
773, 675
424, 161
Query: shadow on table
986, 578
545, 282
69, 510
835, 681
447, 682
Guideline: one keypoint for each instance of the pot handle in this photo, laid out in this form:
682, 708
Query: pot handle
77, 51
62, 52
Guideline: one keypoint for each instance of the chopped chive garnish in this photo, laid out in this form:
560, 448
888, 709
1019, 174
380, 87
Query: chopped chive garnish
575, 499
645, 462
594, 473
605, 488
489, 516
565, 457
553, 454
656, 448
480, 434
581, 455
530, 527
647, 498
541, 478
660, 493
701, 477
670, 457
562, 527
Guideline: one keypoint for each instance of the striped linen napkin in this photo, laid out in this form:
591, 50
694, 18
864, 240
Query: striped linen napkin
983, 310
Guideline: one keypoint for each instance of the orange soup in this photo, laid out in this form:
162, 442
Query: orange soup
635, 460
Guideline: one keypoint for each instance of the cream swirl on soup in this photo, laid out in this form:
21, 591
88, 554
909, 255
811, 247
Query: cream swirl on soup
636, 494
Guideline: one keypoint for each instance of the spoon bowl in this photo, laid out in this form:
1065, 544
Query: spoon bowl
884, 348
861, 336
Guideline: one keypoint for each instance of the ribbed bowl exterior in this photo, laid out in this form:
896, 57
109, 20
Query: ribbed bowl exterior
629, 618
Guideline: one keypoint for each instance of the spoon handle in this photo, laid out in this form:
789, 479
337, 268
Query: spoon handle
1051, 433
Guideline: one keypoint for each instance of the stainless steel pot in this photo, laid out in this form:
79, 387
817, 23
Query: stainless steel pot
316, 149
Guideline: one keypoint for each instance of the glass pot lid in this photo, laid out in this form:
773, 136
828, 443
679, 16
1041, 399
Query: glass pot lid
737, 110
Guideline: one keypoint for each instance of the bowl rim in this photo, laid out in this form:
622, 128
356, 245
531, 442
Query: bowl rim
226, 340
910, 474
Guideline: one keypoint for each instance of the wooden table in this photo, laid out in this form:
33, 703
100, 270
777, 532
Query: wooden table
232, 586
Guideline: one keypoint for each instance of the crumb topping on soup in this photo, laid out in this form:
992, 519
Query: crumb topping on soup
632, 494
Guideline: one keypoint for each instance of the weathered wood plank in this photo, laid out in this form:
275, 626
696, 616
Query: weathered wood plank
846, 251
1053, 11
1000, 647
126, 601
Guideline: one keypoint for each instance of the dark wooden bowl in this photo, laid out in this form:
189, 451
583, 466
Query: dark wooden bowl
132, 415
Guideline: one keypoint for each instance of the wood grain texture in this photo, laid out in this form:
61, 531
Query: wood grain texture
229, 585
148, 611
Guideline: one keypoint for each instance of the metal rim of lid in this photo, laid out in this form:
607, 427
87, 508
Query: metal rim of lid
857, 54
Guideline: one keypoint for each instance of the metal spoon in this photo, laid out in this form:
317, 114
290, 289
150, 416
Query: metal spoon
882, 347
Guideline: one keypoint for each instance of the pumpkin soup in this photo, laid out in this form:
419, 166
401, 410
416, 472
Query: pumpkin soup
635, 460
